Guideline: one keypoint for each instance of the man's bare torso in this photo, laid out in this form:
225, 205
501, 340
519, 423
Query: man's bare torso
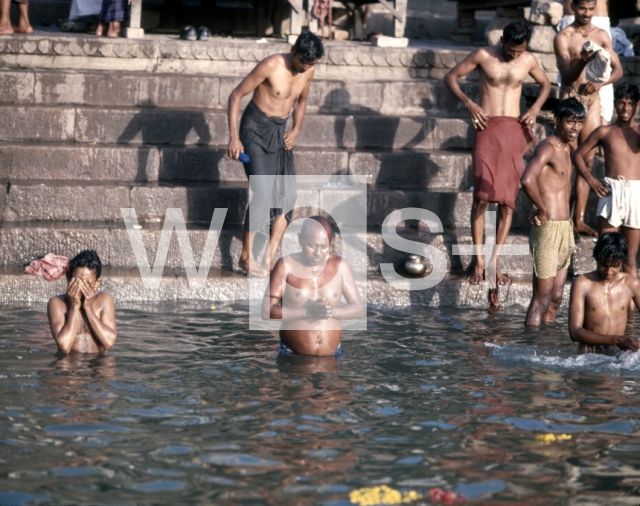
85, 341
277, 95
555, 182
309, 336
500, 82
575, 38
607, 303
622, 151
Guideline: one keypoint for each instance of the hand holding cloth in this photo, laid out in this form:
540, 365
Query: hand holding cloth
599, 69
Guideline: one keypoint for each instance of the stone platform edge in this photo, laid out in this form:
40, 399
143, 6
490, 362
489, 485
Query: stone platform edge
226, 287
151, 52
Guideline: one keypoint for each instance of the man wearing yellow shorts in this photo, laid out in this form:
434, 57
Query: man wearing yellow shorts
547, 182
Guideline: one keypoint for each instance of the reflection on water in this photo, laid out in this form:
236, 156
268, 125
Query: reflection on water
191, 405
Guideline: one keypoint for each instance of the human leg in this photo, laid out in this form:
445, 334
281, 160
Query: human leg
556, 296
254, 221
505, 218
277, 232
591, 122
5, 21
247, 263
23, 23
114, 29
543, 291
632, 236
604, 226
477, 234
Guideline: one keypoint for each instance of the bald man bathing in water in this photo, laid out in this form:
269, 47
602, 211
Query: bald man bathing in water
306, 290
280, 86
502, 133
600, 299
572, 63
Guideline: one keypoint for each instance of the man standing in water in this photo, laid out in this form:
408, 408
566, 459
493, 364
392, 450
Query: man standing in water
547, 182
572, 63
502, 133
280, 85
619, 205
305, 292
600, 299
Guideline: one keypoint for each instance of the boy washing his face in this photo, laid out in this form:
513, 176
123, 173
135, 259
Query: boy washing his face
82, 319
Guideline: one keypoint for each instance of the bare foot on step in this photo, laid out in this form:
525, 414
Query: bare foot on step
252, 268
583, 228
477, 277
114, 29
502, 279
23, 28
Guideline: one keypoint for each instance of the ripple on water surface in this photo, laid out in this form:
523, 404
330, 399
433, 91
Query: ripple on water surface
190, 404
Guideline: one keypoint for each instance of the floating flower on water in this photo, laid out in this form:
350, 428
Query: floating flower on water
382, 495
439, 495
546, 439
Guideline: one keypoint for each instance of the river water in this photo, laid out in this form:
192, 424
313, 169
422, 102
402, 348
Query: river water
190, 407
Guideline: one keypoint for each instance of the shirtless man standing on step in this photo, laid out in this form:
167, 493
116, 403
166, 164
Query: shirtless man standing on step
280, 86
619, 205
572, 61
306, 290
502, 133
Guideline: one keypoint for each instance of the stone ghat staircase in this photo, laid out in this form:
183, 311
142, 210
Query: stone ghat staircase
88, 126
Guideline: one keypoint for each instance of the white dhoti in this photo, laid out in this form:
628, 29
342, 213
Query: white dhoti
622, 206
606, 92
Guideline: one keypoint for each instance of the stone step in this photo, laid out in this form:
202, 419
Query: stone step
225, 289
116, 162
344, 60
21, 242
127, 89
101, 201
109, 162
193, 127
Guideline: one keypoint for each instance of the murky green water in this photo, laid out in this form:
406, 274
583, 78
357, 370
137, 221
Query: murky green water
191, 408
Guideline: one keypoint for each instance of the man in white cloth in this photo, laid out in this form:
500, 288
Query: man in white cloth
601, 20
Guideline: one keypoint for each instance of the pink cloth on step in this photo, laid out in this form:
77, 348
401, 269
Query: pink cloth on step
51, 267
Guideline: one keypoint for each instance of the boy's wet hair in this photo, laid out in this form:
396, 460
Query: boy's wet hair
611, 246
627, 90
570, 107
87, 258
308, 47
578, 2
516, 33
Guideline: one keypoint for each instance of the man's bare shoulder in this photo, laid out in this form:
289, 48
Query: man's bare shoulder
529, 57
104, 297
58, 302
565, 34
487, 52
585, 280
545, 146
631, 281
601, 35
273, 62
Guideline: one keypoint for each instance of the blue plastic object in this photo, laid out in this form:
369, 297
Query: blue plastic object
244, 158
